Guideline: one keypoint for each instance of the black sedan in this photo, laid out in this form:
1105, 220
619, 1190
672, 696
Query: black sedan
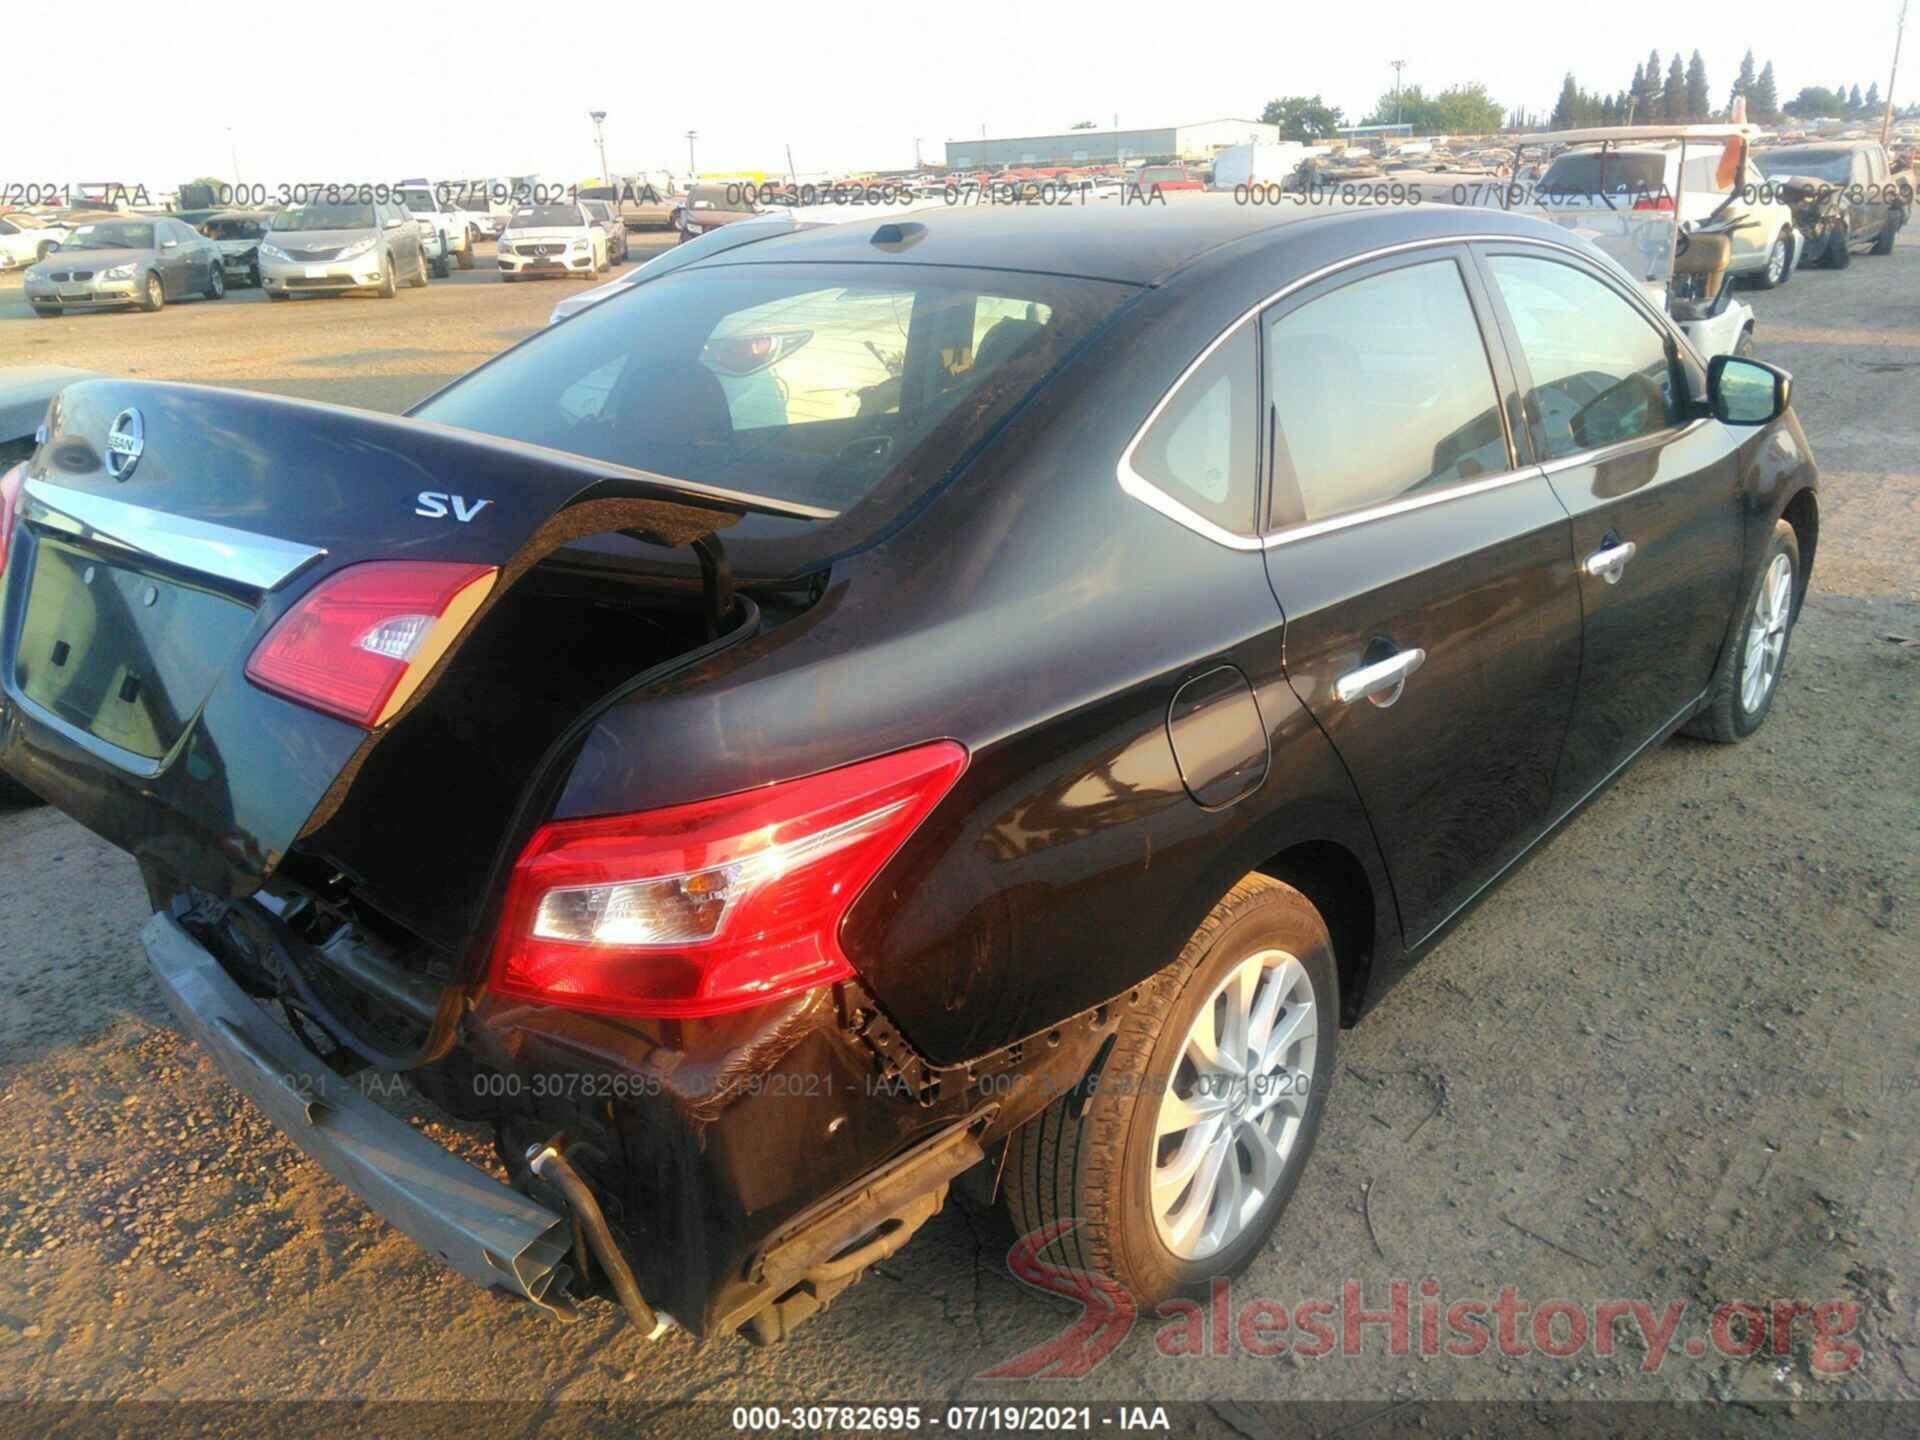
984, 690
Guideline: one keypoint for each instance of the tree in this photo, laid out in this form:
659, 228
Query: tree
1673, 99
1650, 91
1874, 103
1743, 86
1457, 110
1699, 100
1086, 125
1303, 117
1854, 102
1564, 109
1763, 105
1814, 101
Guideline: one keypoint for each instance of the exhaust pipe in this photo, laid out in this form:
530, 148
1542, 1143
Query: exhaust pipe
550, 1165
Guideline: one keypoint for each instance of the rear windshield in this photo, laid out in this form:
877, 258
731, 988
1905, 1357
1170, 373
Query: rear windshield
325, 217
1590, 173
1834, 165
856, 388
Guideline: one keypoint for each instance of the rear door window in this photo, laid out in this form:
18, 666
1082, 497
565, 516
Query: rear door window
1601, 372
1380, 390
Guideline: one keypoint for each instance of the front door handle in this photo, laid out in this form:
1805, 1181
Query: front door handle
1610, 563
1381, 681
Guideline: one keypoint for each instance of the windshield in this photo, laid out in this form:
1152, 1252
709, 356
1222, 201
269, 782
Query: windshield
851, 387
538, 217
233, 229
1834, 165
325, 217
1588, 172
421, 202
110, 235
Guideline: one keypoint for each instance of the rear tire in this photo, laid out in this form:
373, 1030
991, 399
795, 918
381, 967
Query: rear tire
1840, 249
1737, 705
466, 257
1744, 345
154, 295
1157, 1161
1888, 232
1779, 260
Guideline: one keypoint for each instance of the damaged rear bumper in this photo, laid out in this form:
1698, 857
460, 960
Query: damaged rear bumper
493, 1235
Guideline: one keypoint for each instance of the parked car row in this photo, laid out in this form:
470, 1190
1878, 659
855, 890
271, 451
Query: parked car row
1845, 197
145, 261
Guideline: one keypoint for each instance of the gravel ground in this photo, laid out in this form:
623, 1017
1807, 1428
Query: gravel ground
1673, 1060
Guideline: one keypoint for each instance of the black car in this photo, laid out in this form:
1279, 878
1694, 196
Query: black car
1843, 194
879, 701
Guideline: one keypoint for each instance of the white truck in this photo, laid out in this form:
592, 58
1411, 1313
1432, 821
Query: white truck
450, 227
1260, 162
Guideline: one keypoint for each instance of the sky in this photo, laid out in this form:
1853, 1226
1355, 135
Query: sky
454, 92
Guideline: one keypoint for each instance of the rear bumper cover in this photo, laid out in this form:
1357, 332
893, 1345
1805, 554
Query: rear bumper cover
492, 1235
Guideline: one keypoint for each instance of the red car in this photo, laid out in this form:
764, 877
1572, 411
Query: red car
1168, 177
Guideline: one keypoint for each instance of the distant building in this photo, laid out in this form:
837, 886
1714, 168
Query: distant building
1108, 146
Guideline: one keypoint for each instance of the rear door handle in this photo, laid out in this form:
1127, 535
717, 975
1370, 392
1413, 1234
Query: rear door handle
1610, 563
1379, 682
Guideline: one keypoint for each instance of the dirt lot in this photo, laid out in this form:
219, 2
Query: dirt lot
1674, 1060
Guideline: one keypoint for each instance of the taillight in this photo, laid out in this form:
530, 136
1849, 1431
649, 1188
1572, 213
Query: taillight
11, 484
710, 907
360, 643
1652, 202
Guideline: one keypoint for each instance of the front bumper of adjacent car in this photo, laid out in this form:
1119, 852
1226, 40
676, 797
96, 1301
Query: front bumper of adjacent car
65, 289
321, 277
524, 258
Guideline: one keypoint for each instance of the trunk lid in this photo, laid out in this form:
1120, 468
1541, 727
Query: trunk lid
164, 529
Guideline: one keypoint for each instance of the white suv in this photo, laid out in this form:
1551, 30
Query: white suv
448, 233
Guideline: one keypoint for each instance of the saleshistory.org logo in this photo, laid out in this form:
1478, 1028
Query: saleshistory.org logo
1415, 1319
126, 440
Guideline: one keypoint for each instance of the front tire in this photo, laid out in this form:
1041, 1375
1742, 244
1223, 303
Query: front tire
154, 295
1744, 687
216, 284
1840, 248
389, 287
1179, 1158
1883, 244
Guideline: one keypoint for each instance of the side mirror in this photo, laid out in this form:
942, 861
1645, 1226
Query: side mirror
1746, 392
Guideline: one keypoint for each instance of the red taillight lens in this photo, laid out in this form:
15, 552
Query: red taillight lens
361, 642
714, 906
1651, 202
10, 486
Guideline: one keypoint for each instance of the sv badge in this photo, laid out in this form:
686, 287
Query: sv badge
433, 504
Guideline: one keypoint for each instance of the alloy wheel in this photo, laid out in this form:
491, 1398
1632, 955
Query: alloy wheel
1767, 634
1234, 1105
1776, 262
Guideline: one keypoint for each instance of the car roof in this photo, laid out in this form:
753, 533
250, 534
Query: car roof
1135, 244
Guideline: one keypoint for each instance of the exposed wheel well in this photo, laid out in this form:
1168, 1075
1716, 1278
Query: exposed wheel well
1332, 877
1803, 514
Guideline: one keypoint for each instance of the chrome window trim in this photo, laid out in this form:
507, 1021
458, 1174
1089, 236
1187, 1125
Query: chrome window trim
1147, 493
261, 562
1621, 448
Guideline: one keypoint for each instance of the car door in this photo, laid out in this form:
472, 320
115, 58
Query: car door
1652, 489
1424, 568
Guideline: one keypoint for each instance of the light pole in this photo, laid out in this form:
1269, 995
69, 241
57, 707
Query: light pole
600, 139
1398, 66
1886, 122
693, 170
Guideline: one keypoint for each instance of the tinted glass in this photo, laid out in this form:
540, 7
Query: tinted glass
111, 235
1833, 165
1588, 172
535, 217
1200, 450
324, 217
1601, 373
851, 387
1380, 390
